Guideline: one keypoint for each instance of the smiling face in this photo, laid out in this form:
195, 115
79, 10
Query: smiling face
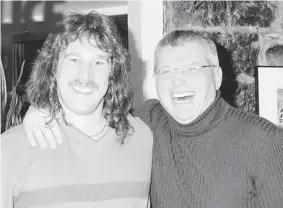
188, 93
82, 77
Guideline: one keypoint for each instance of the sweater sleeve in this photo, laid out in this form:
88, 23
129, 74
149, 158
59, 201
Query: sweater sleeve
145, 112
270, 177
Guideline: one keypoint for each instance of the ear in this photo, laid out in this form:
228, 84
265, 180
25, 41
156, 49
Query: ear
217, 73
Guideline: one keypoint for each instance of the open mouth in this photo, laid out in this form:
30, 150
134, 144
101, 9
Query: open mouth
182, 97
83, 90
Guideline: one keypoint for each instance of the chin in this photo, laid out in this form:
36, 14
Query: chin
183, 116
83, 111
184, 121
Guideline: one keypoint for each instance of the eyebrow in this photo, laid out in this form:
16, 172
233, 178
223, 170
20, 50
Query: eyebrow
99, 56
71, 54
102, 56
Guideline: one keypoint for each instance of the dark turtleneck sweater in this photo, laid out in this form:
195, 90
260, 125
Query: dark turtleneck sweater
225, 158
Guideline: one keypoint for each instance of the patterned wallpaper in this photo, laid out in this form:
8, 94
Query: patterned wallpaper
247, 34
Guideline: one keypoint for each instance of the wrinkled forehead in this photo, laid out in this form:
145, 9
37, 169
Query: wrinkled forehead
181, 54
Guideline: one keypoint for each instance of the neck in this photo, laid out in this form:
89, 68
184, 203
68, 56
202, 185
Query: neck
87, 123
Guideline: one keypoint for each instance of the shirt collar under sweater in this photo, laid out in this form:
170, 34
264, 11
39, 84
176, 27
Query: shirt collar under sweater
210, 117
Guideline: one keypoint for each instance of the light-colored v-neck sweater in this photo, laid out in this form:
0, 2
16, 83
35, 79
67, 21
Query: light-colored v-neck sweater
79, 173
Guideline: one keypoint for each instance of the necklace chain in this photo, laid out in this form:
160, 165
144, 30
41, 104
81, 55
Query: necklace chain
94, 136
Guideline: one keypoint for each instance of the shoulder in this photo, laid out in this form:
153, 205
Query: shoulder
250, 133
15, 138
17, 156
15, 148
146, 108
251, 124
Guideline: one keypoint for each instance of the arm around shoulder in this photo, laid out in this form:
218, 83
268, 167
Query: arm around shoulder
145, 111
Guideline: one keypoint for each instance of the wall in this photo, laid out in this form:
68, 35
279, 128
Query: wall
27, 15
243, 31
144, 33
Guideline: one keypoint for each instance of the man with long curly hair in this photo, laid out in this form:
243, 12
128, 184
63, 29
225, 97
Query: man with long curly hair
81, 77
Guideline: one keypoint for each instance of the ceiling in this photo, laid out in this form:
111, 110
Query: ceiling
63, 7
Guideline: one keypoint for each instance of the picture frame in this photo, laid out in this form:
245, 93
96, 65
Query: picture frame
269, 93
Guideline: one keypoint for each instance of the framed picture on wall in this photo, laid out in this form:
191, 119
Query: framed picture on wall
269, 85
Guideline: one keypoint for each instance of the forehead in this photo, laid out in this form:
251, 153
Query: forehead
190, 52
85, 48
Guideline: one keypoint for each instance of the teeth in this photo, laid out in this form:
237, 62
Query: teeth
83, 90
182, 97
181, 101
183, 94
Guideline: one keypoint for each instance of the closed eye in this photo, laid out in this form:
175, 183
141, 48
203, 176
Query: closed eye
166, 72
194, 69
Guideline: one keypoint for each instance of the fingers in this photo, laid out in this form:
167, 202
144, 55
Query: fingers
40, 138
44, 136
57, 134
30, 135
40, 130
49, 137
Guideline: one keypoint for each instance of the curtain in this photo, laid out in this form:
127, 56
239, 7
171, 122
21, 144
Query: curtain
16, 98
18, 58
3, 90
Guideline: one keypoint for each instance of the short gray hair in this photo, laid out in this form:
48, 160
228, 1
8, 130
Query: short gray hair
178, 37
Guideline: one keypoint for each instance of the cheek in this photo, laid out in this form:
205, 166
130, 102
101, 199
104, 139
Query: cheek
101, 78
63, 80
201, 82
208, 78
64, 74
163, 87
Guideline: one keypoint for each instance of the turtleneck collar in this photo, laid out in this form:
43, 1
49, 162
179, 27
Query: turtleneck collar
204, 121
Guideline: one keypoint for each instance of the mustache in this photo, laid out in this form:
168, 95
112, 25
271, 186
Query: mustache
81, 83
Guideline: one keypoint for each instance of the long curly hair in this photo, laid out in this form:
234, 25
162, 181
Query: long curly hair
42, 87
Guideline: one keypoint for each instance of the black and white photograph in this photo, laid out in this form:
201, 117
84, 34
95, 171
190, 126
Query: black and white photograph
141, 104
280, 107
270, 93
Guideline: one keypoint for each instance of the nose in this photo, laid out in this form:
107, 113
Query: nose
85, 74
179, 80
